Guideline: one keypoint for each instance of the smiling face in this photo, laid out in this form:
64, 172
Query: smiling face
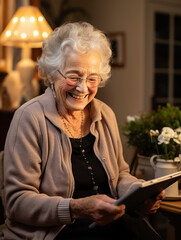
76, 98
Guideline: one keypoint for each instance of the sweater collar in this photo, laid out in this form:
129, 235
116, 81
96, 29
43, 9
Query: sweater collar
95, 110
49, 105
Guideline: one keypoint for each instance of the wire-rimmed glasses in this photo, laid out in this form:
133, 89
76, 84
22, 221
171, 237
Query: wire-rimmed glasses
73, 79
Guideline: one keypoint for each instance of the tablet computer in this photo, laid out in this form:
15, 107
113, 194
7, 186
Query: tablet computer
144, 191
147, 190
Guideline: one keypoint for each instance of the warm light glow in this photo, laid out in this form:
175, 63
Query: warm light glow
27, 27
8, 33
44, 34
23, 35
22, 19
35, 33
16, 32
32, 19
15, 19
40, 19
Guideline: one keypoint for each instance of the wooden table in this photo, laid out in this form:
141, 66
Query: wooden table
172, 209
171, 206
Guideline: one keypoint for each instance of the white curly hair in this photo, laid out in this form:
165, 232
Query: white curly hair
79, 37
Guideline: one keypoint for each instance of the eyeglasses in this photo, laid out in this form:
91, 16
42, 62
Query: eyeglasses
74, 79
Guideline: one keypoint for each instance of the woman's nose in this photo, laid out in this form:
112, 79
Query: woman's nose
82, 86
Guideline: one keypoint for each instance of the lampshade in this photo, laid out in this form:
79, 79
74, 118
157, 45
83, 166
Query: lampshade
27, 27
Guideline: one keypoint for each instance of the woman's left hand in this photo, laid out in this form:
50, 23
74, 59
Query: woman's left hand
151, 205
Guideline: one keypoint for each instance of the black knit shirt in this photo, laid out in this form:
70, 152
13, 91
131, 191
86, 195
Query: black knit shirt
82, 175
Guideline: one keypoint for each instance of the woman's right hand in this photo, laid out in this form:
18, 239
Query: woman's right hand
98, 208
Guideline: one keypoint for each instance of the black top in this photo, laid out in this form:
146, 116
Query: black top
81, 168
81, 164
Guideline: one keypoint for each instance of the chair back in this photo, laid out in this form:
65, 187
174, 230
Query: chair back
1, 188
5, 120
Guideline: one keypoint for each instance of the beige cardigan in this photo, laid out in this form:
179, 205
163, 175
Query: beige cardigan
37, 167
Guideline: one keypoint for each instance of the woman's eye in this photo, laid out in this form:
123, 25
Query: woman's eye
73, 77
93, 79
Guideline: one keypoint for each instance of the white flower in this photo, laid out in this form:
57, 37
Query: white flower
178, 130
165, 136
132, 118
168, 131
177, 138
177, 159
162, 139
154, 132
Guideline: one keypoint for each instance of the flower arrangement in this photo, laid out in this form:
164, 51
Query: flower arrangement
137, 128
167, 143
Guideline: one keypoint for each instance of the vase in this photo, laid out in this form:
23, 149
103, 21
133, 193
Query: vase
144, 169
163, 167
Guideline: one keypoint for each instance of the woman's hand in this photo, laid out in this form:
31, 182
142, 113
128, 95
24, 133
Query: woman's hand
152, 205
98, 208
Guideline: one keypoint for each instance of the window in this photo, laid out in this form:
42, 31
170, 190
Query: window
167, 59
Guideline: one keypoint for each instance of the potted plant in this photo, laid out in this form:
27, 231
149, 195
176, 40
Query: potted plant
168, 158
137, 131
167, 143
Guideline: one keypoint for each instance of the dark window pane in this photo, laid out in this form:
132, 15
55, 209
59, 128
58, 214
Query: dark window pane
161, 55
177, 86
177, 104
177, 28
177, 57
156, 103
161, 85
162, 26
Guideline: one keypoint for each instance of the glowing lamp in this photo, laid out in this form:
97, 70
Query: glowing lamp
27, 29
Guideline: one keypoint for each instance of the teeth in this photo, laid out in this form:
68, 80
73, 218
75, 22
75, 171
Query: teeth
78, 97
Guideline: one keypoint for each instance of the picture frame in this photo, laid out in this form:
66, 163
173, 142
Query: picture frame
117, 40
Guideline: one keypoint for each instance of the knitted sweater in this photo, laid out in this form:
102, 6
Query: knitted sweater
39, 182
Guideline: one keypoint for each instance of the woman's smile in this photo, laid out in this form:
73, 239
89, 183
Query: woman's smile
77, 96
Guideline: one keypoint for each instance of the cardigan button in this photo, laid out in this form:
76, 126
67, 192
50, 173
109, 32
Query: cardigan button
103, 159
95, 188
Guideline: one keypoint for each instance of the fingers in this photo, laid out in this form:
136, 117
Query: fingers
109, 215
154, 204
150, 206
105, 198
98, 208
154, 208
105, 212
161, 195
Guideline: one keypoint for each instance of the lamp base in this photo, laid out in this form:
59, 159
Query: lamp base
13, 86
26, 68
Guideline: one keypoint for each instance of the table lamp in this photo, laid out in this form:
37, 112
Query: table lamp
27, 29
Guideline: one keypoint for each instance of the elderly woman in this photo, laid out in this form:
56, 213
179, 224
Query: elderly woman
63, 156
